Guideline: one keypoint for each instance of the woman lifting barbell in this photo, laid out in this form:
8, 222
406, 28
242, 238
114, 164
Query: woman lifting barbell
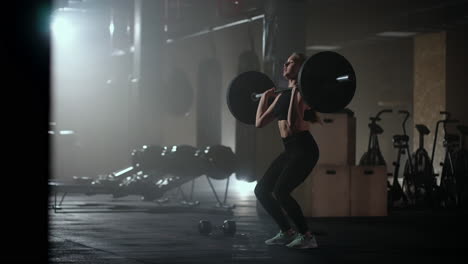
294, 164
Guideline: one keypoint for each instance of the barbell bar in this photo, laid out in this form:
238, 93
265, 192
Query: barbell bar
256, 96
326, 81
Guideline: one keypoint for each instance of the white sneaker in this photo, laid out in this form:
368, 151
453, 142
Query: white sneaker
281, 238
302, 241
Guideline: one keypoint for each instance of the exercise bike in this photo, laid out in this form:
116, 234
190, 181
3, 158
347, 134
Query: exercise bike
373, 155
395, 192
419, 182
447, 196
461, 168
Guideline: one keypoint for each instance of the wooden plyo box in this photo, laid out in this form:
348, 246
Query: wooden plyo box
341, 191
368, 190
336, 138
325, 193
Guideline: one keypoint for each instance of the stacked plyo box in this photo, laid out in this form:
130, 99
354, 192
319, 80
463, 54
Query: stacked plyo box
368, 190
336, 187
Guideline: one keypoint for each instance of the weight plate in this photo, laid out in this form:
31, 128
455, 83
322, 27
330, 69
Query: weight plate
320, 83
240, 91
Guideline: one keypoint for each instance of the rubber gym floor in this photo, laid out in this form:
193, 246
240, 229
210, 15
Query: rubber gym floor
100, 229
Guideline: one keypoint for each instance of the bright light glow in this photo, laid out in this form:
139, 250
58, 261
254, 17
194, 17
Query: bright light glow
111, 28
245, 188
117, 174
118, 52
343, 78
66, 132
396, 34
62, 29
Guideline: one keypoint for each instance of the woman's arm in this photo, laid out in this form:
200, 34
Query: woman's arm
265, 112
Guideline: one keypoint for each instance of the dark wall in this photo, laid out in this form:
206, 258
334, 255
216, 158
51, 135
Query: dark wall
384, 74
457, 71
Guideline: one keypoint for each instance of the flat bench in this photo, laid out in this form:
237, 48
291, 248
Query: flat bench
66, 188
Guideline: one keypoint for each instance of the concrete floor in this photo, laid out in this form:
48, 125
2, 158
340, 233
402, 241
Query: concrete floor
99, 229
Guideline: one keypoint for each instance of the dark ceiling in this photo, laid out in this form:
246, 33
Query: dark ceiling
330, 22
344, 22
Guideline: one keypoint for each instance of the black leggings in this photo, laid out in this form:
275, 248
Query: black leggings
285, 173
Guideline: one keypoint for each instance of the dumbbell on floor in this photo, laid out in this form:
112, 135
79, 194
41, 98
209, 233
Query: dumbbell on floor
227, 229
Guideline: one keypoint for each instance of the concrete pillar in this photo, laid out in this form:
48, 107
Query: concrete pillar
439, 84
457, 71
430, 85
147, 90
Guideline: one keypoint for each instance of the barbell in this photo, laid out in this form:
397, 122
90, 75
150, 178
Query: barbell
326, 81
